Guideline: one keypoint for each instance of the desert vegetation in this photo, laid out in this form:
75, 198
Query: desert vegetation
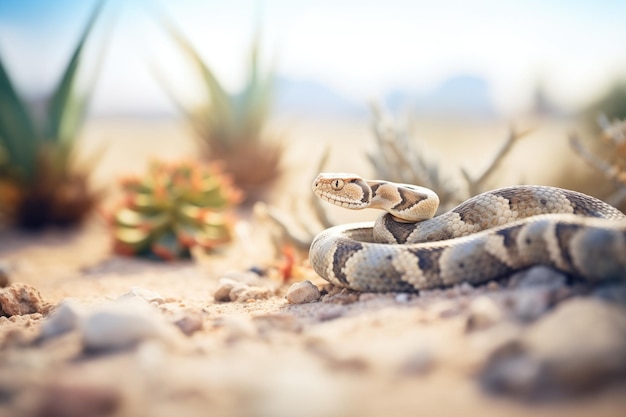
178, 281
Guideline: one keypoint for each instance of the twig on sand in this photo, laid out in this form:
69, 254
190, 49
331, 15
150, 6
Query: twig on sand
475, 185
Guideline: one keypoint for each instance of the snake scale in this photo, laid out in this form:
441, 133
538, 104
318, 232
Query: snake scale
487, 237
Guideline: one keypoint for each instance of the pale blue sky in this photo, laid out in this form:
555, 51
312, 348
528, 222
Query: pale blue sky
360, 48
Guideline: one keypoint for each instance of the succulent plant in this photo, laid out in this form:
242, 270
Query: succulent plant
173, 208
231, 127
40, 183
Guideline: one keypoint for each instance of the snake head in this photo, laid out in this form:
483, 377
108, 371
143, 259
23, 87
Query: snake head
343, 190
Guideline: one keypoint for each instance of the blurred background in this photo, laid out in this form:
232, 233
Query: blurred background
455, 74
482, 59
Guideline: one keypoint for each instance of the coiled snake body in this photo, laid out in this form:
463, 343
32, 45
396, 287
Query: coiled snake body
487, 237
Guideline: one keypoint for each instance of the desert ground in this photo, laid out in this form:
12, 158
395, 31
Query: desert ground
88, 333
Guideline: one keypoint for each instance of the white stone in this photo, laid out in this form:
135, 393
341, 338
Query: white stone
63, 319
121, 325
402, 297
224, 288
303, 292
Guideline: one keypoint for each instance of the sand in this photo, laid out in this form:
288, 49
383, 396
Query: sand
346, 354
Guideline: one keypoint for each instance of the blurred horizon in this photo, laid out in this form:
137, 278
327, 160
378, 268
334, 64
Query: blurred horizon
482, 59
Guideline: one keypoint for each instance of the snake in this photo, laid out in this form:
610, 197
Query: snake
488, 237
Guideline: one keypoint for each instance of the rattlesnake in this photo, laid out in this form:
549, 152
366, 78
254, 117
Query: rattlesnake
487, 237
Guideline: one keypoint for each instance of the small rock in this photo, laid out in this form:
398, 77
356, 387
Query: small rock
577, 348
531, 303
231, 290
511, 372
142, 294
63, 319
224, 287
121, 325
302, 292
483, 313
19, 299
402, 297
534, 291
538, 276
583, 342
190, 323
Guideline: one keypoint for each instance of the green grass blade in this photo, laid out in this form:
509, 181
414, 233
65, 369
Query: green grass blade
221, 108
66, 111
18, 136
255, 101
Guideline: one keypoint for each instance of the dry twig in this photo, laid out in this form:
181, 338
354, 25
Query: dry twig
400, 157
476, 185
614, 135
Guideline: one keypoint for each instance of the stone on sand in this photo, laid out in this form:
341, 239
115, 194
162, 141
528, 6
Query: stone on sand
302, 292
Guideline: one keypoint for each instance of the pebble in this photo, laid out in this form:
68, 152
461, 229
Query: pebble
535, 291
190, 323
538, 276
65, 318
484, 312
528, 304
577, 348
302, 292
511, 372
402, 297
224, 287
121, 325
231, 290
19, 299
143, 294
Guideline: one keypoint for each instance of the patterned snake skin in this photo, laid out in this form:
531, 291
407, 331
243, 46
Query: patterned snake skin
487, 237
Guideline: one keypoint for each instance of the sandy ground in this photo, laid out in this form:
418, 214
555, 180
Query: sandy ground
488, 351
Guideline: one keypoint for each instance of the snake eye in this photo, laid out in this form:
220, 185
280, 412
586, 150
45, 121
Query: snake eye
337, 184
